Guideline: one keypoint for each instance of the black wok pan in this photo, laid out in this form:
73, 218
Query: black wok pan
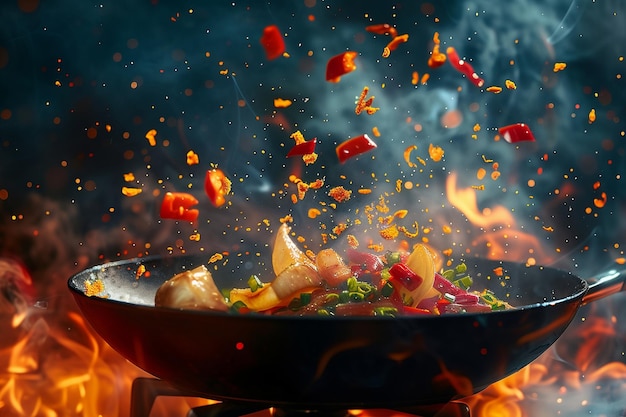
338, 362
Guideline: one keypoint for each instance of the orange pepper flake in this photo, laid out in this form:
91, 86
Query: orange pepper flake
281, 103
447, 252
435, 152
394, 43
425, 78
352, 241
313, 213
476, 127
375, 247
294, 198
216, 257
340, 228
480, 174
302, 189
340, 194
192, 158
559, 66
398, 185
446, 229
389, 233
317, 184
94, 288
620, 261
363, 104
592, 116
495, 175
415, 78
401, 214
130, 177
407, 156
548, 228
195, 237
151, 136
376, 132
364, 191
407, 233
494, 89
596, 185
140, 271
600, 202
499, 271
510, 84
495, 166
437, 58
131, 191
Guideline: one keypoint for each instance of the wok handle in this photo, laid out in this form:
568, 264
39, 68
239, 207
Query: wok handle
608, 283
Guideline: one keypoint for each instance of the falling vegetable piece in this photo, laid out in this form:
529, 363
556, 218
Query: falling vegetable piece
463, 67
354, 147
382, 29
518, 132
216, 185
340, 65
303, 148
178, 206
437, 58
273, 42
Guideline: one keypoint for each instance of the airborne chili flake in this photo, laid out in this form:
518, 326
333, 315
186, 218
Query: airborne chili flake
131, 191
340, 194
435, 152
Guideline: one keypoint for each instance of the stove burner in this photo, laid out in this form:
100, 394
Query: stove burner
146, 390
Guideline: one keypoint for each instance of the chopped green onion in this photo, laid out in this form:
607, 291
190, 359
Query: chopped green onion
385, 311
449, 297
449, 274
365, 288
464, 283
305, 298
344, 297
254, 282
392, 257
356, 296
385, 274
238, 306
387, 289
323, 312
461, 268
352, 284
332, 299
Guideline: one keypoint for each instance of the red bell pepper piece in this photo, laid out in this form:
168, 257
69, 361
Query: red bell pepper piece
273, 42
303, 148
340, 65
443, 285
405, 276
367, 261
518, 132
415, 310
353, 147
464, 67
178, 206
216, 186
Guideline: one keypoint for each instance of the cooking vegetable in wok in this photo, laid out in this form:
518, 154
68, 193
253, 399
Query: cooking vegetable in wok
362, 284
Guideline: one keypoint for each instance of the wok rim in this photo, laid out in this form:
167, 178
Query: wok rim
575, 296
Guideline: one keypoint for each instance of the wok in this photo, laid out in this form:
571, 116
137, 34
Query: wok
338, 362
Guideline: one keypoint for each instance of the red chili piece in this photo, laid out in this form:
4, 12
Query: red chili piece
403, 274
340, 65
216, 186
353, 147
464, 67
518, 132
303, 148
273, 42
178, 206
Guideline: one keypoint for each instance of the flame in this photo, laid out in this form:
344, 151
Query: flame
501, 236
